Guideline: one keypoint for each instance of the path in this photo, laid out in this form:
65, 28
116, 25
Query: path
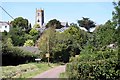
52, 73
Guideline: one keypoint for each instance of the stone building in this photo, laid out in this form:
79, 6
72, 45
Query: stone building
39, 18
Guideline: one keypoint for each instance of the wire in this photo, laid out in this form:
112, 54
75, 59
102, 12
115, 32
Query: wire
6, 12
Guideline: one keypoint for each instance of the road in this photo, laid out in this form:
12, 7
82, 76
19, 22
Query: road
52, 73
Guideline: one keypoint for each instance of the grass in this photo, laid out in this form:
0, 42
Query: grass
25, 70
63, 75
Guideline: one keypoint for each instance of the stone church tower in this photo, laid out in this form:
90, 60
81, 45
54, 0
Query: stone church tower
39, 19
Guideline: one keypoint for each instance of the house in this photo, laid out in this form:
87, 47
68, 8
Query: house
64, 24
4, 26
31, 49
114, 45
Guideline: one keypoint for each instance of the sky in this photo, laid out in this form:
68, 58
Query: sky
70, 12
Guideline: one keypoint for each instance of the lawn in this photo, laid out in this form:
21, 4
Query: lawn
25, 70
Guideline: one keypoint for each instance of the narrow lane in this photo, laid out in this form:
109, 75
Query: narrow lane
52, 73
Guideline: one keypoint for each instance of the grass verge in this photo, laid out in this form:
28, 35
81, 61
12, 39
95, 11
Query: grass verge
63, 75
25, 70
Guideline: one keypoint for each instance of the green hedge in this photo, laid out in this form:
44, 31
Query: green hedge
101, 65
15, 56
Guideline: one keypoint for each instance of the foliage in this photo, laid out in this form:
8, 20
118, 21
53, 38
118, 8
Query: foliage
36, 26
17, 36
15, 56
46, 42
33, 32
104, 35
29, 43
21, 31
25, 70
9, 42
20, 22
96, 61
116, 20
54, 23
63, 45
86, 23
98, 65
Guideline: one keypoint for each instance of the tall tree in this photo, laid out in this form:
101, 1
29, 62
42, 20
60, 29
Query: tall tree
86, 23
47, 41
20, 22
54, 23
116, 19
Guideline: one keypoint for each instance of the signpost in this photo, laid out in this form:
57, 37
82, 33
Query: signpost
38, 60
48, 55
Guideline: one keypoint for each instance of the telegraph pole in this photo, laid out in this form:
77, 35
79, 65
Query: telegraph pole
48, 51
47, 54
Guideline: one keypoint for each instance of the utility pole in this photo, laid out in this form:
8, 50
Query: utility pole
48, 52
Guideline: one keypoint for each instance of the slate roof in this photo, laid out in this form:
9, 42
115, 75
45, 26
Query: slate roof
31, 49
3, 23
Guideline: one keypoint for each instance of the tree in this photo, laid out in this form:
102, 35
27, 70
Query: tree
116, 19
17, 36
36, 26
29, 28
33, 32
54, 23
47, 41
29, 43
103, 35
20, 22
86, 23
9, 42
69, 43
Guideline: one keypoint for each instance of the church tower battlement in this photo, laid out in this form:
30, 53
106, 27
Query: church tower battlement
39, 19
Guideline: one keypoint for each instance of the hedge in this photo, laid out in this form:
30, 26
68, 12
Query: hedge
101, 65
15, 56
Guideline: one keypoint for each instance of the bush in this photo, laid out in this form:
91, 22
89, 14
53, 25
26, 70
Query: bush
15, 56
29, 43
101, 65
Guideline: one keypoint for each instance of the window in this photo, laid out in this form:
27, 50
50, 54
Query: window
38, 14
38, 20
5, 26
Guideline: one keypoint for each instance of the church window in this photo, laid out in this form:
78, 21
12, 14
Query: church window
38, 20
38, 14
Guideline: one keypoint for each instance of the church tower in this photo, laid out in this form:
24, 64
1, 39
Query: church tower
39, 19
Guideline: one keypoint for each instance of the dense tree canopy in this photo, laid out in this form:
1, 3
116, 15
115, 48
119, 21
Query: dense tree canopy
116, 20
54, 23
20, 22
96, 60
86, 23
36, 26
63, 45
21, 31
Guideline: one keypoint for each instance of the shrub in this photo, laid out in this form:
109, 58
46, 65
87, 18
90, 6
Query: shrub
100, 65
15, 56
29, 43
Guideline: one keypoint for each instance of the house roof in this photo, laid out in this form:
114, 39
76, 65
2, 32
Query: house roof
64, 24
31, 49
4, 23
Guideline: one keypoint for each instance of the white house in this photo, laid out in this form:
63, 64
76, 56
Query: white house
4, 26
